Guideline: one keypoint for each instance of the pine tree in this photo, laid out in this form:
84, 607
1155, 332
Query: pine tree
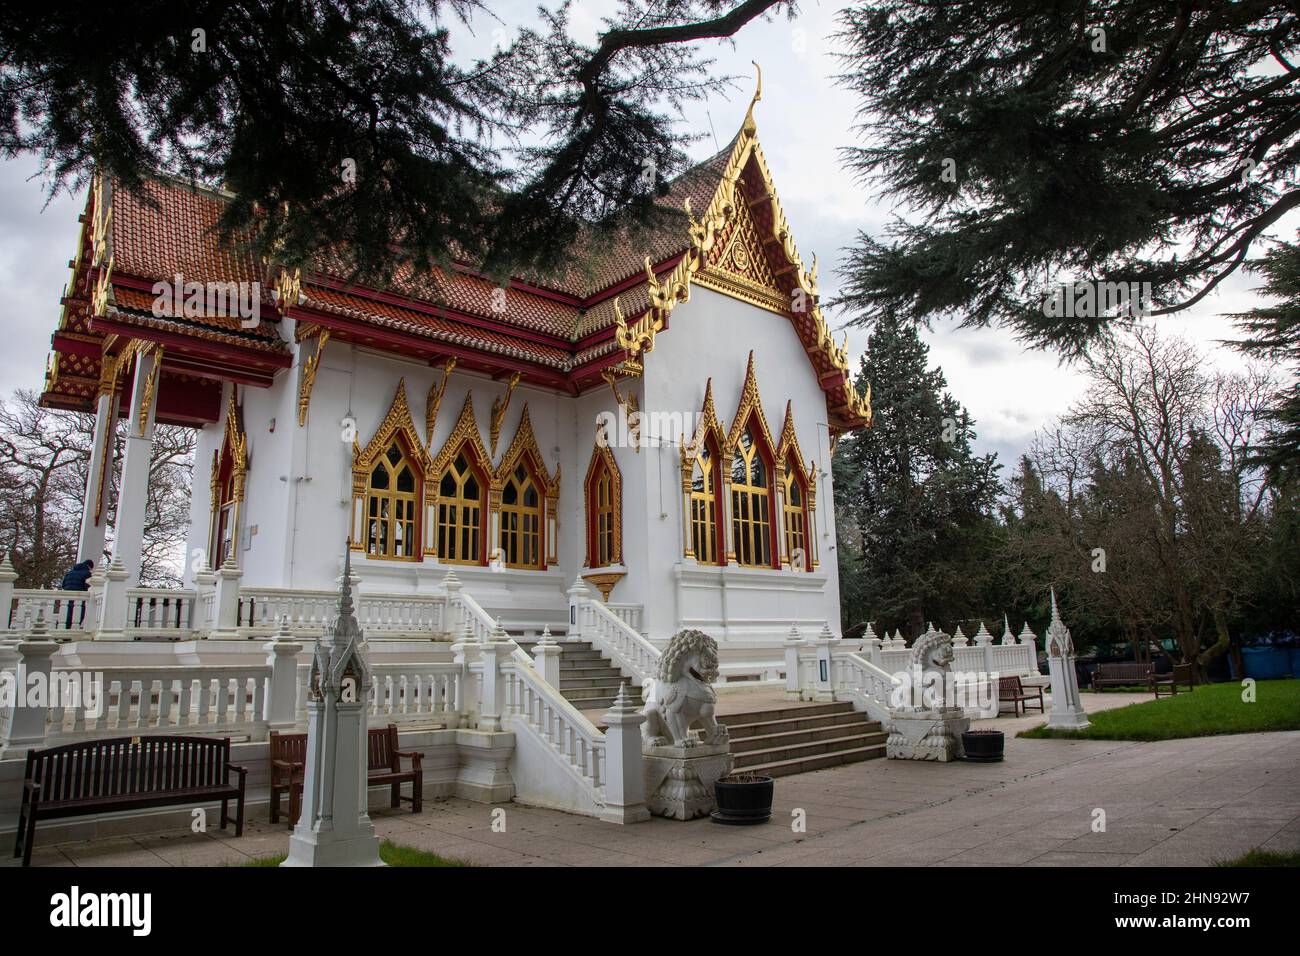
917, 502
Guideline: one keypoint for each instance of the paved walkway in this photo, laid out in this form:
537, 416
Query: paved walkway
1172, 803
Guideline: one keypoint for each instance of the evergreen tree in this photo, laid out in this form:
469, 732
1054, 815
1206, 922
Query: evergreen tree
916, 501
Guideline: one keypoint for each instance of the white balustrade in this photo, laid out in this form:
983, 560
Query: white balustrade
309, 612
630, 652
61, 610
178, 699
629, 614
415, 692
569, 734
160, 609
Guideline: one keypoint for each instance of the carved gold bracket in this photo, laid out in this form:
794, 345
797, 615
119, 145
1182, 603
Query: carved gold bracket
631, 407
434, 400
499, 406
309, 369
288, 289
151, 383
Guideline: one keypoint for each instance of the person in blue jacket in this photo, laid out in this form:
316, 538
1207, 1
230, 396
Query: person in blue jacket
77, 579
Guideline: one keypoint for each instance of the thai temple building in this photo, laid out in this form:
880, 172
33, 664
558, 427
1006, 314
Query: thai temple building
659, 424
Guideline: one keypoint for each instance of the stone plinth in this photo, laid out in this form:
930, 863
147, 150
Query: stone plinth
679, 780
926, 734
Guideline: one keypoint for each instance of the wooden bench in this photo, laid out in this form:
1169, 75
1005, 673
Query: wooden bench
384, 768
126, 773
1123, 674
1182, 674
1010, 689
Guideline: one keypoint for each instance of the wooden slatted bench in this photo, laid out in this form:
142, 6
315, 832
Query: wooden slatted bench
1123, 674
1182, 674
384, 767
126, 773
1010, 689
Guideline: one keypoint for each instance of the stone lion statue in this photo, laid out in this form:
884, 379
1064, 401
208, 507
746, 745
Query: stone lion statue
684, 693
931, 652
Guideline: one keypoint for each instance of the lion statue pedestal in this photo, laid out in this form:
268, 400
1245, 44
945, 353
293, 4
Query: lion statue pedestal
929, 729
681, 765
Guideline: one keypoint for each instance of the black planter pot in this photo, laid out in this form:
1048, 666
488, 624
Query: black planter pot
983, 746
743, 802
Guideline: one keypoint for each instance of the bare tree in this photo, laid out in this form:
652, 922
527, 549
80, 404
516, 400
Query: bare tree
44, 457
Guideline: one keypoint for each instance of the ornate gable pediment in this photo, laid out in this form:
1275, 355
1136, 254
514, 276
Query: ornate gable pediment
525, 445
750, 405
739, 263
398, 421
465, 430
789, 450
709, 425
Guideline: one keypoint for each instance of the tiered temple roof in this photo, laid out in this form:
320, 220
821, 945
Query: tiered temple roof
567, 333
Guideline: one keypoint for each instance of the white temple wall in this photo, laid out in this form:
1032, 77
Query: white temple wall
711, 336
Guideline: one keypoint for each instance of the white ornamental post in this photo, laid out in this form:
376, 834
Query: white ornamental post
226, 602
112, 607
793, 684
824, 689
871, 644
335, 827
7, 578
490, 698
624, 766
27, 719
1029, 637
282, 697
546, 658
578, 595
451, 585
1067, 709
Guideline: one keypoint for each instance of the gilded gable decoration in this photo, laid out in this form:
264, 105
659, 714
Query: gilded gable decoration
150, 384
524, 446
434, 400
788, 451
465, 430
749, 403
310, 366
500, 405
708, 425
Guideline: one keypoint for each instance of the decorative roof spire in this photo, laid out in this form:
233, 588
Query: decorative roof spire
345, 620
750, 127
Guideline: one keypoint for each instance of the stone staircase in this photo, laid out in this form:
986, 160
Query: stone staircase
802, 737
588, 680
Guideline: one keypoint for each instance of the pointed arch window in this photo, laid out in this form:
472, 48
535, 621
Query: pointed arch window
392, 512
705, 501
393, 490
462, 503
751, 503
794, 505
604, 499
521, 520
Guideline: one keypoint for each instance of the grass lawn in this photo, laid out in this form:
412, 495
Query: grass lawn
1259, 857
1210, 709
389, 852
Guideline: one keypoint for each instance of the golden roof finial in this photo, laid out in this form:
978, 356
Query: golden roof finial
750, 126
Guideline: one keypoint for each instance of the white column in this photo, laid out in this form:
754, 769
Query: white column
624, 768
90, 544
134, 491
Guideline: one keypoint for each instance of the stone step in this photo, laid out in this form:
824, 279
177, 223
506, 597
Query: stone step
785, 768
793, 738
816, 748
581, 668
582, 697
603, 680
762, 728
784, 713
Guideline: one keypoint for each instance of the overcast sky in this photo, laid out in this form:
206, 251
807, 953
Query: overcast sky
803, 120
